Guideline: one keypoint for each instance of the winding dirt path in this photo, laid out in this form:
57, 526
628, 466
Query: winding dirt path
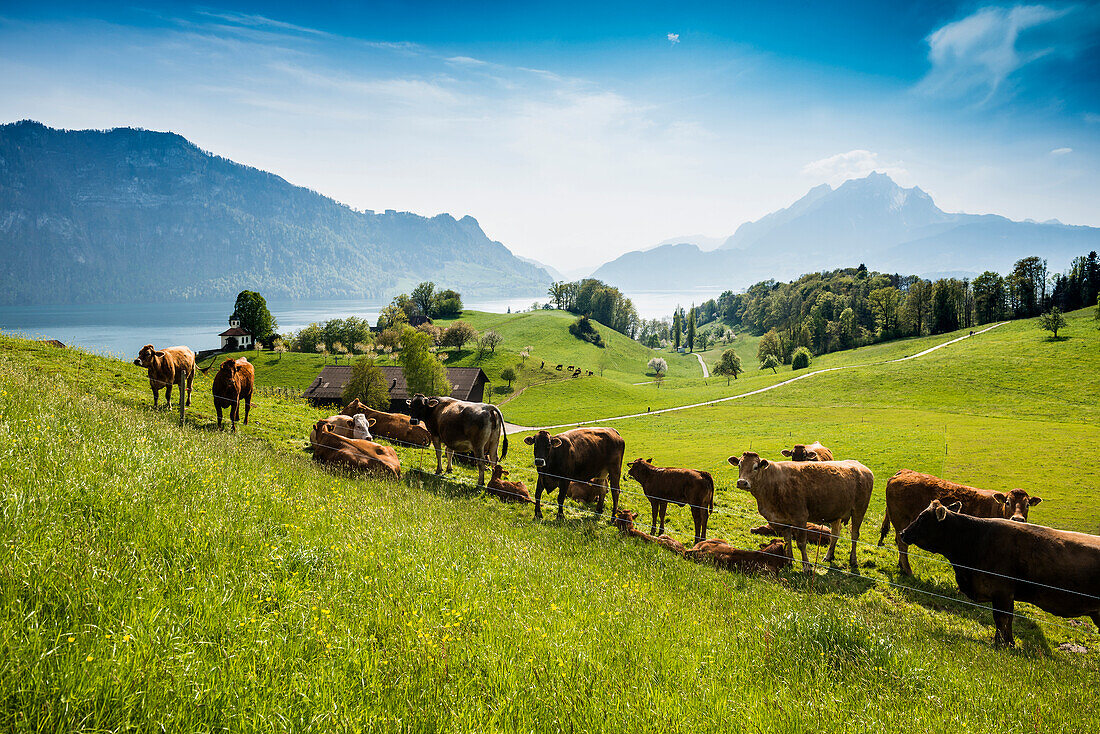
512, 428
706, 372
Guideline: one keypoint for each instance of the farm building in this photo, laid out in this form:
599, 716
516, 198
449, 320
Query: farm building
468, 383
235, 337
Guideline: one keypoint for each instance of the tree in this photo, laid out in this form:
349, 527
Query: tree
703, 339
491, 340
392, 316
458, 333
508, 374
770, 362
423, 372
368, 384
770, 345
446, 304
884, 304
423, 296
676, 328
1052, 321
691, 329
801, 358
917, 302
280, 349
846, 328
989, 296
729, 365
945, 316
251, 309
658, 365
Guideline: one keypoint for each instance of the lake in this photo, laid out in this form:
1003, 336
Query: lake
121, 330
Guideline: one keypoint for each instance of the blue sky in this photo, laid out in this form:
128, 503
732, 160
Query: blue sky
576, 132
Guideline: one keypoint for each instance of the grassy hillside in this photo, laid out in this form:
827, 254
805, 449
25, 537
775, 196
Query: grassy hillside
155, 577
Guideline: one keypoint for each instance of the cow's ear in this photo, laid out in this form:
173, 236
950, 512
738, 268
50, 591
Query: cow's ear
1034, 501
649, 460
371, 422
432, 403
555, 442
941, 512
955, 507
530, 440
158, 353
734, 460
762, 464
811, 455
408, 402
1000, 497
787, 452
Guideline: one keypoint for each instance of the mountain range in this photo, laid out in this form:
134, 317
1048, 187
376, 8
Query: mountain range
135, 216
869, 220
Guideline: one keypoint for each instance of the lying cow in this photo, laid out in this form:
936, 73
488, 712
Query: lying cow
772, 557
579, 455
393, 426
909, 492
790, 494
813, 452
233, 385
624, 520
587, 492
472, 428
815, 534
681, 487
165, 367
506, 491
1001, 561
332, 448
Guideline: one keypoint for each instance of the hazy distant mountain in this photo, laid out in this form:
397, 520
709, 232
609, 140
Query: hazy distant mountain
137, 216
870, 220
702, 241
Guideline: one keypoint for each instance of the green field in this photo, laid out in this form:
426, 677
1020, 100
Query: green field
155, 578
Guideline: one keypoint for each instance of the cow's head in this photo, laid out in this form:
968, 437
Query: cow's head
420, 407
624, 518
229, 367
1016, 504
361, 426
800, 452
639, 468
749, 467
353, 408
147, 356
322, 426
927, 529
499, 472
544, 444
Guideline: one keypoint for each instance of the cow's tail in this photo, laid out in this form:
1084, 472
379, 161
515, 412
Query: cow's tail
885, 526
710, 480
503, 432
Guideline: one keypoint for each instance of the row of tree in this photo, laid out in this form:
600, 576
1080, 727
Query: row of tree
424, 301
598, 301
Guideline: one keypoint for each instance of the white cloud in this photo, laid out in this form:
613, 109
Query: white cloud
1061, 151
673, 38
836, 169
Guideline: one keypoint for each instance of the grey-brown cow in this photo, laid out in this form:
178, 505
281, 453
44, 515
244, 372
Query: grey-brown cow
165, 367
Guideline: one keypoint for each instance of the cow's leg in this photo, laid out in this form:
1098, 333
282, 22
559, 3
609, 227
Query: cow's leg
704, 520
801, 537
218, 408
613, 478
857, 521
664, 507
699, 519
561, 497
438, 456
653, 505
787, 550
1003, 607
156, 394
168, 396
190, 379
247, 407
538, 497
834, 532
480, 458
903, 555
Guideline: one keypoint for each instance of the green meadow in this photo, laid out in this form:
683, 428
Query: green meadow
154, 577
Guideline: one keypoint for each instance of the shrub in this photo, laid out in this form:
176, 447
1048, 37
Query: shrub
729, 365
584, 330
770, 362
658, 365
367, 383
509, 375
801, 358
1052, 321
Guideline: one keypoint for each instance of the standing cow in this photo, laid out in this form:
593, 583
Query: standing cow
909, 492
790, 494
1000, 561
472, 428
681, 487
233, 385
582, 455
813, 452
165, 367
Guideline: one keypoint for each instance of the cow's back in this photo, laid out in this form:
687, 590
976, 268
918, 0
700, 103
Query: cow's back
827, 490
589, 452
908, 492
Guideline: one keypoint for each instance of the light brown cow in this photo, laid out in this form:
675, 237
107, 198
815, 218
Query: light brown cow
624, 520
373, 458
790, 494
771, 557
165, 366
233, 385
813, 452
393, 426
506, 491
908, 493
681, 487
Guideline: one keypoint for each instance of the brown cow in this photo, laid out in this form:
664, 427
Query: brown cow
681, 487
165, 366
772, 557
593, 490
909, 492
332, 448
394, 426
624, 520
1001, 561
500, 487
232, 385
472, 428
813, 452
579, 455
790, 494
816, 534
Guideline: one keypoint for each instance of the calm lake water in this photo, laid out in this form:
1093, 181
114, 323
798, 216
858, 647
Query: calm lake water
122, 329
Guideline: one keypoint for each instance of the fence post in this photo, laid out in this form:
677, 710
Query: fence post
182, 398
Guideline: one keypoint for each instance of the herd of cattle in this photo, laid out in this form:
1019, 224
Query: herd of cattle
996, 555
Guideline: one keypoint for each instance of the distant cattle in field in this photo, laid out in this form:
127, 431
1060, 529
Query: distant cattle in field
624, 520
471, 428
581, 455
589, 372
1001, 561
770, 558
332, 448
570, 368
909, 492
232, 386
813, 452
576, 374
165, 367
500, 487
816, 534
393, 426
559, 368
690, 487
790, 494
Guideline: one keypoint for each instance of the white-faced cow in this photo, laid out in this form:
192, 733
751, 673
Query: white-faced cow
1001, 561
367, 456
471, 428
813, 452
909, 492
165, 367
790, 494
582, 455
393, 426
681, 487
